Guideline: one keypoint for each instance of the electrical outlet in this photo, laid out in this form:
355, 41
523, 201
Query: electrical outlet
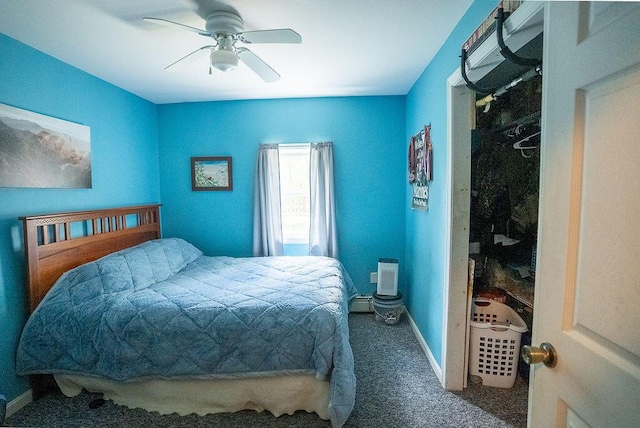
374, 277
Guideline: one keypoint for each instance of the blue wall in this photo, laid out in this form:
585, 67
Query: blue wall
425, 244
124, 168
369, 163
141, 152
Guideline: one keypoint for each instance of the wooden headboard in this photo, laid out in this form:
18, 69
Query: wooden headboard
55, 243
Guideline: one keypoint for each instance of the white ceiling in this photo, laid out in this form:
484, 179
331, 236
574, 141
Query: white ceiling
349, 47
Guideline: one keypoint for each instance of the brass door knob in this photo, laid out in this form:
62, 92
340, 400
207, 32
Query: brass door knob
546, 354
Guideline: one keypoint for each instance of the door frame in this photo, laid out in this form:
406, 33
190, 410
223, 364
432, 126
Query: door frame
521, 27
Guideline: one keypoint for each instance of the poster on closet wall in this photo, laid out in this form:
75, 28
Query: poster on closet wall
420, 168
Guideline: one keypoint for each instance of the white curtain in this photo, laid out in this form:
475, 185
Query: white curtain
267, 220
323, 239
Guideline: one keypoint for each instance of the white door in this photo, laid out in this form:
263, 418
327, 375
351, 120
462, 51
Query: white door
587, 300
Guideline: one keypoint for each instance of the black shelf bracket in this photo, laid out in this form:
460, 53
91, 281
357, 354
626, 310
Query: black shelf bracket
504, 49
509, 56
470, 84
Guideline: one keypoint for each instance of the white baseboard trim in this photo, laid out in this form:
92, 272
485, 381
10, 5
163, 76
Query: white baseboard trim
423, 344
19, 402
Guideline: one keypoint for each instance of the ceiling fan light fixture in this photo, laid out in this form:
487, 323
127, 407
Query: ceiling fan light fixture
225, 28
224, 60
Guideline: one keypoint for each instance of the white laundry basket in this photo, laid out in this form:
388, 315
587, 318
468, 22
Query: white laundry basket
494, 343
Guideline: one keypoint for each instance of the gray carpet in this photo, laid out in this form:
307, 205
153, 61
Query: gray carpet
396, 388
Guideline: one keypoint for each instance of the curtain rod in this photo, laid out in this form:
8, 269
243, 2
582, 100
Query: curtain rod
302, 145
295, 145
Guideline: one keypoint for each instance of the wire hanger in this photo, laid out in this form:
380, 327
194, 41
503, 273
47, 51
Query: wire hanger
518, 144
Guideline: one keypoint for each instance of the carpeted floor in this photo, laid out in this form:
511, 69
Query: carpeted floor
396, 388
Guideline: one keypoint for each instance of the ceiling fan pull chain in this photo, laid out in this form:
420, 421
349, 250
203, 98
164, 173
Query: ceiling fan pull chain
209, 69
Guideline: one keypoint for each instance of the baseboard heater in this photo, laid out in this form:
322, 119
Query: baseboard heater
361, 303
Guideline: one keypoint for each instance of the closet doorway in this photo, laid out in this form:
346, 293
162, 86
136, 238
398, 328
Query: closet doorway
498, 126
503, 220
585, 182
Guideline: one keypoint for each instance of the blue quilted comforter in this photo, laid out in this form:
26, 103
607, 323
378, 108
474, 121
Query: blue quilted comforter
162, 309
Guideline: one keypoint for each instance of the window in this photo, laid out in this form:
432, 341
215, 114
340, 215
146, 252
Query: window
293, 201
294, 192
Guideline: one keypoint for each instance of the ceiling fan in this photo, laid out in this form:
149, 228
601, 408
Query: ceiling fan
226, 28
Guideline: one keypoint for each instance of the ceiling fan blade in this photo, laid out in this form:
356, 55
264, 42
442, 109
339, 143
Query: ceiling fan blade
167, 23
258, 66
189, 59
284, 35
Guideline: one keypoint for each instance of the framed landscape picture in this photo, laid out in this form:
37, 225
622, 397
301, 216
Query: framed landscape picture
211, 173
43, 151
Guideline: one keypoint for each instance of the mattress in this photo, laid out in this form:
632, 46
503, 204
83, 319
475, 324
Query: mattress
162, 310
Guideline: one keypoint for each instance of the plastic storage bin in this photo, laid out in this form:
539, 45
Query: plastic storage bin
388, 308
494, 343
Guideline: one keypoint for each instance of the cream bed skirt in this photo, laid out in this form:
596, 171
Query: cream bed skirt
277, 394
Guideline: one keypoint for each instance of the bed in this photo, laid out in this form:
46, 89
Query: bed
151, 322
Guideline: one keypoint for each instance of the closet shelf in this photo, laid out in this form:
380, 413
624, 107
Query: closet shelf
523, 297
521, 290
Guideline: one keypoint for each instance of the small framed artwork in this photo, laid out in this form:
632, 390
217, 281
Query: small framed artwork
211, 173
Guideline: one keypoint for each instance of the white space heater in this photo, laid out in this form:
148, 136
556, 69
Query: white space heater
387, 277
